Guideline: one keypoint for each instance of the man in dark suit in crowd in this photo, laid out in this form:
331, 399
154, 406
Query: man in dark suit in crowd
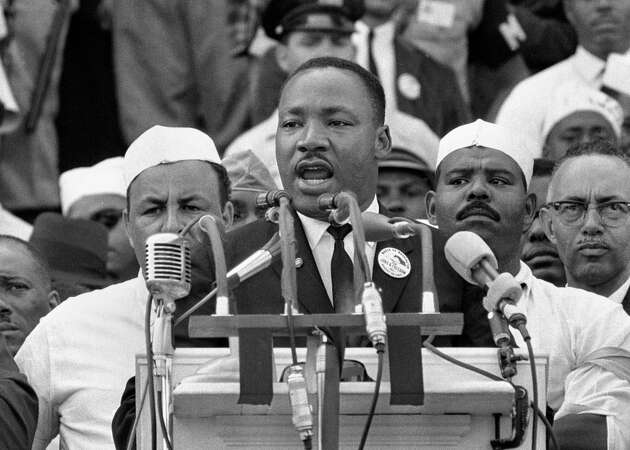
18, 404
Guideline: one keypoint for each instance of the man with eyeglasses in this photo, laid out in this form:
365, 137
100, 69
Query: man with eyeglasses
587, 216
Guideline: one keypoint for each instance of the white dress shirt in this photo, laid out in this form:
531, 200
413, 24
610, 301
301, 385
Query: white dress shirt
524, 110
573, 326
322, 245
384, 58
78, 360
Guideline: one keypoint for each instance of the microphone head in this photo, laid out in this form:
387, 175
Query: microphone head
168, 266
269, 199
464, 250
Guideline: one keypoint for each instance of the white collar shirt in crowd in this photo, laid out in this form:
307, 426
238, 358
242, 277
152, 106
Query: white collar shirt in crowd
78, 360
524, 110
261, 140
14, 226
620, 293
322, 245
384, 58
586, 336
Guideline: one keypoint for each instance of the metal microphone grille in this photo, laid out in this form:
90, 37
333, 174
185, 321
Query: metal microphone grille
168, 265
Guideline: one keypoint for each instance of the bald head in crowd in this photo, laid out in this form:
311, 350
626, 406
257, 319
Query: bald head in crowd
26, 292
588, 217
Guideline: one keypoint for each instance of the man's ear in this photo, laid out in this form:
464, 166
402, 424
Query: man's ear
547, 225
383, 144
228, 214
530, 210
125, 216
53, 299
282, 56
429, 199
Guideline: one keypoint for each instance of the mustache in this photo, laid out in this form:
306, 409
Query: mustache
476, 208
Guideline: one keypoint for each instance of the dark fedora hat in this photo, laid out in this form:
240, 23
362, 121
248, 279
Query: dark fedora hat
76, 249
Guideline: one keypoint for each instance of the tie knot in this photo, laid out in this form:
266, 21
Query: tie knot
339, 233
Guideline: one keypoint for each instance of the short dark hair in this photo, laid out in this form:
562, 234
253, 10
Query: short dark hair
40, 261
601, 147
543, 167
370, 82
225, 186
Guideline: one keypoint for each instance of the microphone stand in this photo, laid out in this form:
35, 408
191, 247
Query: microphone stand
163, 364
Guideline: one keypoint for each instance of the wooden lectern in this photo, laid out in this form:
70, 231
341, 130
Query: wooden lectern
461, 408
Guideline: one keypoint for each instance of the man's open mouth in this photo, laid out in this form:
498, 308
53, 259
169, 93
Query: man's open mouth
314, 171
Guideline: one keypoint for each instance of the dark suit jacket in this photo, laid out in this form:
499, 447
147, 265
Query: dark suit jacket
440, 104
18, 404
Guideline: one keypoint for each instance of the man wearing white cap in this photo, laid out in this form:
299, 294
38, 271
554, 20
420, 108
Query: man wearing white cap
579, 114
98, 193
603, 31
79, 358
483, 172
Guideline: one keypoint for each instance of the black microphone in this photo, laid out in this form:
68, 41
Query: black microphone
270, 199
255, 263
168, 267
474, 261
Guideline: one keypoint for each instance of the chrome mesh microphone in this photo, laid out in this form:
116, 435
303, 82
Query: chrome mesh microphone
168, 266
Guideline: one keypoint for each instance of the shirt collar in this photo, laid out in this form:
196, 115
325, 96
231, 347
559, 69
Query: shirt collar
588, 65
314, 229
620, 293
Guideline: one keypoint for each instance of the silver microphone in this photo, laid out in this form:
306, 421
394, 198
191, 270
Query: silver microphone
168, 266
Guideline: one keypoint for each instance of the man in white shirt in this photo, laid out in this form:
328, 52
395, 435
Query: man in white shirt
588, 218
79, 358
483, 173
603, 28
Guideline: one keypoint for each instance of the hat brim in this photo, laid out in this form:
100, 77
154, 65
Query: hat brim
86, 280
417, 167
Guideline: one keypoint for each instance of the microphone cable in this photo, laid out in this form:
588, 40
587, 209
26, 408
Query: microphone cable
532, 365
131, 439
534, 404
380, 351
149, 352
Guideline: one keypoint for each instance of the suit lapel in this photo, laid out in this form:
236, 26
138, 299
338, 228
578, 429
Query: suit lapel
626, 302
392, 287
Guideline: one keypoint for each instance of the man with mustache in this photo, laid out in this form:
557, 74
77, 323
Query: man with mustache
588, 217
537, 251
483, 173
603, 29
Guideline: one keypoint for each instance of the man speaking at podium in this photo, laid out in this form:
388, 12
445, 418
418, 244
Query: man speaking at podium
481, 186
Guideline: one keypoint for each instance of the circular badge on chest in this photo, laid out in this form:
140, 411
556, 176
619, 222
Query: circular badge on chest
394, 262
409, 86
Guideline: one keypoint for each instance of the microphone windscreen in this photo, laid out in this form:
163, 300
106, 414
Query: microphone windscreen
464, 250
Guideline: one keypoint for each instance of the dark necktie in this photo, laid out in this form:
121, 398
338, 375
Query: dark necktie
371, 61
341, 271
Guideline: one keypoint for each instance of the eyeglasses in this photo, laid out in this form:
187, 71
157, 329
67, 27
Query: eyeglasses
612, 214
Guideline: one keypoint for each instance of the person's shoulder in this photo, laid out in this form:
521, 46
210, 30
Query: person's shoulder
244, 240
575, 300
99, 301
546, 79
